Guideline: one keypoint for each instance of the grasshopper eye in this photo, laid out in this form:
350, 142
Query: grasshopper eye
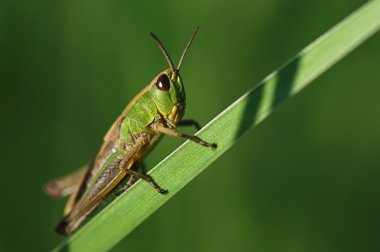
163, 83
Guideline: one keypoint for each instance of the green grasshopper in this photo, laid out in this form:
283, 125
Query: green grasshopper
155, 111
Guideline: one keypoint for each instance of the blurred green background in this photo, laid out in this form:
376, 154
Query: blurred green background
307, 179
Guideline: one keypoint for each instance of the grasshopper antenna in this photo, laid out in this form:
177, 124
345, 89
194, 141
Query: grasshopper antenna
168, 59
187, 47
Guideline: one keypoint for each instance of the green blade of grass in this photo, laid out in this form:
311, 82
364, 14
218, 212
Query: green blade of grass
126, 212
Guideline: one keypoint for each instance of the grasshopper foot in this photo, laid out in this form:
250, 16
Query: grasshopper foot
162, 191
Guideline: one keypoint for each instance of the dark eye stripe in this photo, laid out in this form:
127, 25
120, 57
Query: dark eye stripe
163, 83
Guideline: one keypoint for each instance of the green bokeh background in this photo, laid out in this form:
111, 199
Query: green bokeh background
306, 179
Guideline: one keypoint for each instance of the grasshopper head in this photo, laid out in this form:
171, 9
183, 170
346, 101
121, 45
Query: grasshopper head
168, 91
169, 96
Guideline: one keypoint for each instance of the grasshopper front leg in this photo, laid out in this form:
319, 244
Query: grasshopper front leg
173, 132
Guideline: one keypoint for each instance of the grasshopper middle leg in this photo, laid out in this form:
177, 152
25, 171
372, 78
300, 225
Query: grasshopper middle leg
140, 175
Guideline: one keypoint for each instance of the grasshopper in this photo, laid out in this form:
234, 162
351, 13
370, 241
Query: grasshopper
157, 110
